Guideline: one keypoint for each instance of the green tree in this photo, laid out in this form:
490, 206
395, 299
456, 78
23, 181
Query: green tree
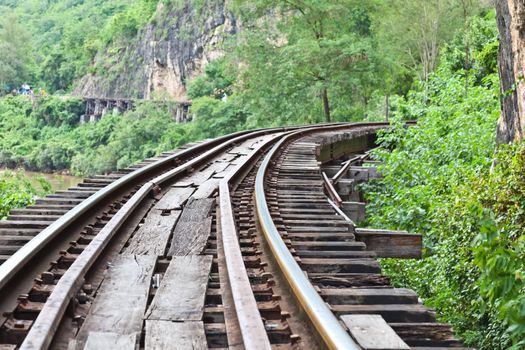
305, 51
17, 191
441, 180
412, 31
15, 59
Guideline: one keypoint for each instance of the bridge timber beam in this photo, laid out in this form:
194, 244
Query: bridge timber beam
98, 107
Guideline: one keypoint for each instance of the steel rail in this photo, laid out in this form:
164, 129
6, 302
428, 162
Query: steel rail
48, 320
19, 259
323, 319
252, 329
23, 256
45, 326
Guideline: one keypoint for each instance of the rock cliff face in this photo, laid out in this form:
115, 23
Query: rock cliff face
175, 46
511, 60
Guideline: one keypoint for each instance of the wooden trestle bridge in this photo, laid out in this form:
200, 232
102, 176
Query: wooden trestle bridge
98, 107
247, 241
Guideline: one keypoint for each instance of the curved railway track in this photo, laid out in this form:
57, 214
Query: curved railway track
241, 242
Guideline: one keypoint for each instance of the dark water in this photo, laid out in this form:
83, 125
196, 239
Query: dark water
58, 181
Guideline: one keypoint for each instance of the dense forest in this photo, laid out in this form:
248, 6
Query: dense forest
298, 62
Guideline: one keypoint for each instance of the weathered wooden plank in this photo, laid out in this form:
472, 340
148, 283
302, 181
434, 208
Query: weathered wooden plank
391, 244
349, 280
190, 237
207, 188
328, 246
331, 170
358, 174
182, 290
360, 296
122, 298
435, 334
357, 265
196, 209
345, 186
354, 210
111, 341
182, 184
241, 151
193, 229
166, 335
218, 167
8, 347
373, 333
227, 157
152, 237
319, 236
174, 198
390, 312
364, 173
335, 150
199, 176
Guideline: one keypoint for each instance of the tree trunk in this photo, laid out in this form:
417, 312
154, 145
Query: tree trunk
511, 62
326, 106
387, 107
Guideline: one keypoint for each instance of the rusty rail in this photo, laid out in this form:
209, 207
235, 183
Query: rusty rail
44, 327
253, 333
322, 318
23, 256
252, 328
41, 334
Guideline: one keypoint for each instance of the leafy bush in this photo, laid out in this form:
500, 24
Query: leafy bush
438, 181
214, 117
16, 191
56, 111
53, 43
499, 248
215, 109
125, 25
431, 179
214, 82
46, 136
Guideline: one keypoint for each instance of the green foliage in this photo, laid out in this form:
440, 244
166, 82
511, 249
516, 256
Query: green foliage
16, 191
319, 58
125, 25
214, 82
475, 47
15, 61
215, 117
438, 181
215, 111
499, 248
411, 33
54, 111
46, 136
53, 43
145, 132
294, 62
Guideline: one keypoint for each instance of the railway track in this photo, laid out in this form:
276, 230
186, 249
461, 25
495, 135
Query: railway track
248, 241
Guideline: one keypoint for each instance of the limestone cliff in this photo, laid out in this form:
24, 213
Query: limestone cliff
175, 46
511, 60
